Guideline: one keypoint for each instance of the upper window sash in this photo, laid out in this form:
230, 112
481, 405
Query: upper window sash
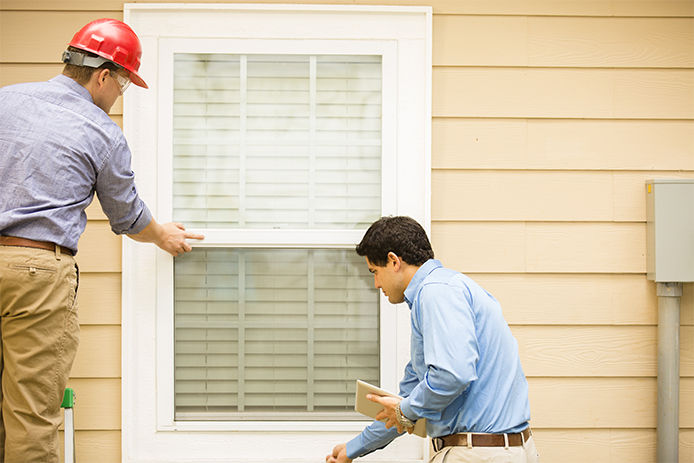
277, 141
215, 237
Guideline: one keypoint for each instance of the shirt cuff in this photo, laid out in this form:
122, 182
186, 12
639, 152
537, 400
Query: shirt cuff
355, 448
407, 411
141, 222
374, 437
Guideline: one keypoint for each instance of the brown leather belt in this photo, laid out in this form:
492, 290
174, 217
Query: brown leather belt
482, 440
26, 243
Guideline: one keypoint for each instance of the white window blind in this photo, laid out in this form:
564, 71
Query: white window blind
277, 141
272, 333
274, 142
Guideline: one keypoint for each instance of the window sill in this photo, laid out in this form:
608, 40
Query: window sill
265, 426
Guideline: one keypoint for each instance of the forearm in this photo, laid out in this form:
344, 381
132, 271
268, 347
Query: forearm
152, 233
373, 437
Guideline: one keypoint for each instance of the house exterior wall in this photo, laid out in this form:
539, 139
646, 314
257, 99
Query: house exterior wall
548, 117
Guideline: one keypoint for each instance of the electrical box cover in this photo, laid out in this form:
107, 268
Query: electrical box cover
670, 230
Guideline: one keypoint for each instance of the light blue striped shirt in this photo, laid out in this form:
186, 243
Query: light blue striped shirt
464, 374
57, 148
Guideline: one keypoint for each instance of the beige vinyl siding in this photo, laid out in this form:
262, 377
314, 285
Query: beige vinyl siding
548, 118
561, 42
551, 144
545, 130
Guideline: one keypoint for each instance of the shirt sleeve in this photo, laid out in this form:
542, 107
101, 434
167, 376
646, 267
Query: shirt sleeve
115, 187
376, 436
373, 437
450, 349
409, 381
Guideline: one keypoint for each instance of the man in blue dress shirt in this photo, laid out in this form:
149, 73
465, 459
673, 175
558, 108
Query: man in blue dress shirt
58, 147
464, 375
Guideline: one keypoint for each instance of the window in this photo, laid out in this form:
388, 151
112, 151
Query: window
280, 142
280, 133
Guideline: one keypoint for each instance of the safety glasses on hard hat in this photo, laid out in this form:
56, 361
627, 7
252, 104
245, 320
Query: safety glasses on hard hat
123, 82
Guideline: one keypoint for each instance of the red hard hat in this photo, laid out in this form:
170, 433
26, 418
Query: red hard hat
113, 40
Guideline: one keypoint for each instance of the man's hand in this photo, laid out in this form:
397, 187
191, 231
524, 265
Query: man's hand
171, 237
339, 455
388, 413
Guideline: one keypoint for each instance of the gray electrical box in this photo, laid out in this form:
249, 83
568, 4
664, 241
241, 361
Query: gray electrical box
670, 230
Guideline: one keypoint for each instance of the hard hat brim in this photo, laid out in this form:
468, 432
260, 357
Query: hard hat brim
137, 80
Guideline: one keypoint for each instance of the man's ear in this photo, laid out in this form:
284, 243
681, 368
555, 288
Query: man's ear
99, 77
395, 260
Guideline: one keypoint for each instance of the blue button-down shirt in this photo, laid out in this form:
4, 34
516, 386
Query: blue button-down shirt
57, 148
464, 374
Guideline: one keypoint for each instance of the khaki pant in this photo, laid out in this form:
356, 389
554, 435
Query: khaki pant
519, 454
40, 334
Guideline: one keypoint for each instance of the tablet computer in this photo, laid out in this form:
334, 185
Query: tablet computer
371, 409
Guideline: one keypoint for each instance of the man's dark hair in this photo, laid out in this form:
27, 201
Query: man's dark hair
401, 235
82, 74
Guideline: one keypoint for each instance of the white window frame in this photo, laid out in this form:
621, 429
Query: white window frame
150, 432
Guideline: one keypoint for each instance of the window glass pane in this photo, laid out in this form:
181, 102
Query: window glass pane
272, 331
277, 141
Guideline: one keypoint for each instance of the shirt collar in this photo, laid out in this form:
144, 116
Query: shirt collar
74, 86
416, 281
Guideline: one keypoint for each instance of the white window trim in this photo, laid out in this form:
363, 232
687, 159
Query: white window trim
394, 32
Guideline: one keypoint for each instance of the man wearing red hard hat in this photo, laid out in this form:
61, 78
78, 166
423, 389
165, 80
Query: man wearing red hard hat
58, 147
